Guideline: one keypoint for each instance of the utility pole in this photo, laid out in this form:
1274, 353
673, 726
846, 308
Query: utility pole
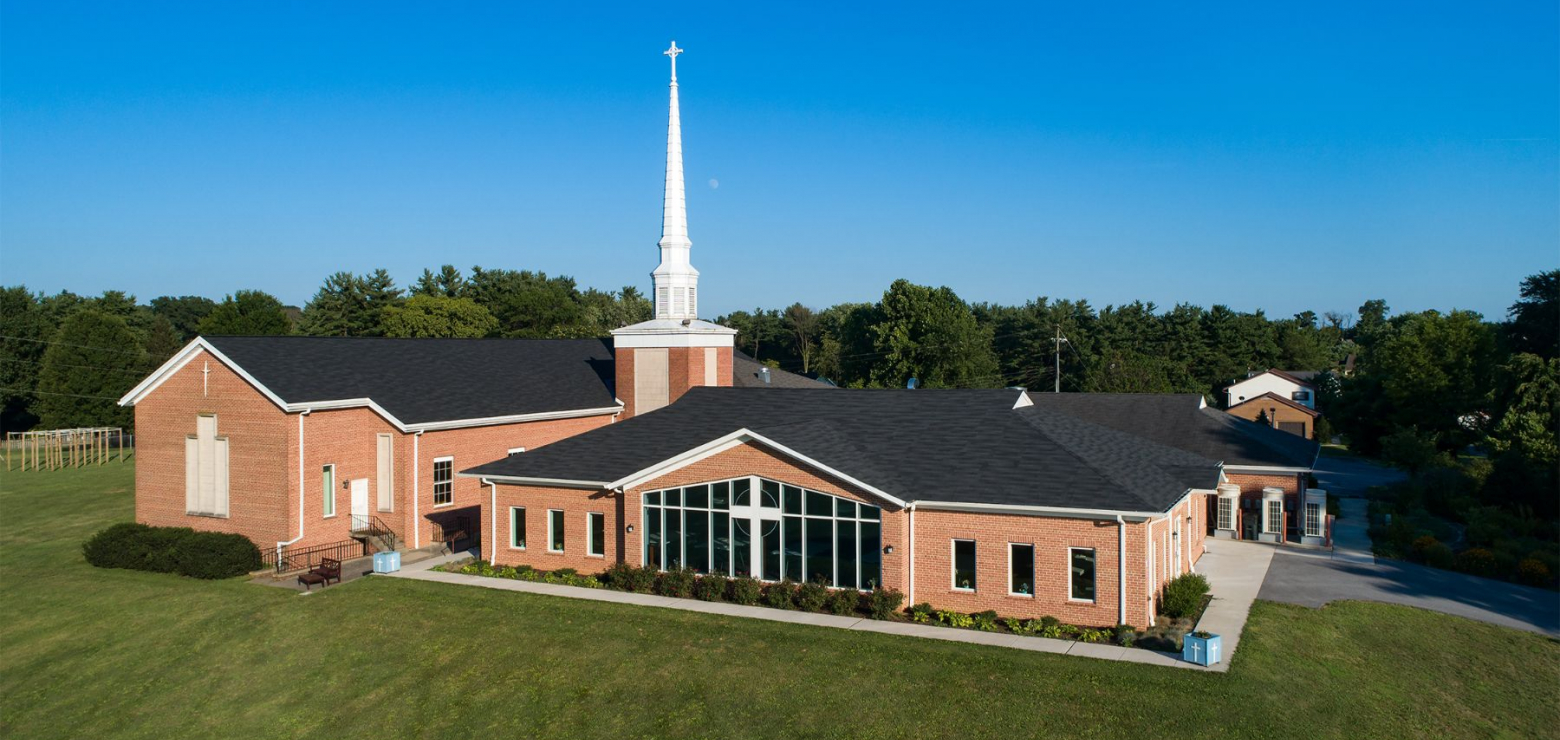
1059, 339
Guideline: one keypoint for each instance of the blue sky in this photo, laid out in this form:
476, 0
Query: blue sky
1282, 157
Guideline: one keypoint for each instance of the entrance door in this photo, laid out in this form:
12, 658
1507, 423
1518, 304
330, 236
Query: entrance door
359, 504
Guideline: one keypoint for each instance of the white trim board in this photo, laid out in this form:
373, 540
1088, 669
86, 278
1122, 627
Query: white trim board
199, 344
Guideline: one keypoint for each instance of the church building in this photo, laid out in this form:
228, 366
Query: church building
663, 446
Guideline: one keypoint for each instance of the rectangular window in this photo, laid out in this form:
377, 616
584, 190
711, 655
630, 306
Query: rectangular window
1275, 516
720, 526
1021, 569
845, 545
517, 527
673, 538
328, 490
597, 532
1300, 396
871, 555
697, 537
791, 541
555, 530
443, 481
1226, 512
653, 537
1081, 567
820, 550
1313, 520
964, 565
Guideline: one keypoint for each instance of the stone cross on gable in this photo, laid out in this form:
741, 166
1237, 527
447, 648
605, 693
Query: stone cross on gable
673, 52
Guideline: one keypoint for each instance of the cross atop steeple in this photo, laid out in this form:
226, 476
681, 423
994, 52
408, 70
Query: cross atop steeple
673, 52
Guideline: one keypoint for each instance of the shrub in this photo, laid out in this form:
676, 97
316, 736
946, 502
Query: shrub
955, 619
563, 572
677, 583
214, 555
1478, 562
1049, 621
745, 590
620, 576
1184, 595
1126, 635
1016, 626
1533, 572
812, 596
1093, 634
844, 601
985, 621
172, 550
711, 587
1055, 630
1421, 547
882, 603
780, 595
1440, 556
922, 613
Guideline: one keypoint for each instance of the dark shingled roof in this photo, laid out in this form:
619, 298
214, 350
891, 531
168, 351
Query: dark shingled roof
1183, 422
745, 374
421, 381
967, 446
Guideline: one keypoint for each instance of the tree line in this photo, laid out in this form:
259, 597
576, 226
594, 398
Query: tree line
1451, 377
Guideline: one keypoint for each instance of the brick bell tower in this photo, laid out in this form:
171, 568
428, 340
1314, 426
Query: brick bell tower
657, 361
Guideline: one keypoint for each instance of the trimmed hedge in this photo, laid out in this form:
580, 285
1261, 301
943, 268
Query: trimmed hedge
1184, 595
209, 555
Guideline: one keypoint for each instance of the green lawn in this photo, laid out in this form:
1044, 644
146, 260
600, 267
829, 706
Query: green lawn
95, 653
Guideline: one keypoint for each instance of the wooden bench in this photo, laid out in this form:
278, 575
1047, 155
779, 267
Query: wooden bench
328, 570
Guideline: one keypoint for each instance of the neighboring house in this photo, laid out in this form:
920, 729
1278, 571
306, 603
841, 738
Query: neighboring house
1280, 413
1296, 385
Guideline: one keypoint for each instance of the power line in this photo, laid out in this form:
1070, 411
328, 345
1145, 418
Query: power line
52, 393
68, 344
79, 367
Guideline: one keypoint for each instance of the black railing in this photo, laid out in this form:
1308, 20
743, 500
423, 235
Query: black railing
304, 558
373, 526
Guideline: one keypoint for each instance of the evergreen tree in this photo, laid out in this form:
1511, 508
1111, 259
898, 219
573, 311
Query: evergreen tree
350, 306
526, 304
247, 313
1534, 320
448, 283
93, 360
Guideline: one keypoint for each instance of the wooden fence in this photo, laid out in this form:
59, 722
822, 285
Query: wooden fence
57, 449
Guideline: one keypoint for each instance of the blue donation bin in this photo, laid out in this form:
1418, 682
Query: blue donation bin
387, 562
1202, 650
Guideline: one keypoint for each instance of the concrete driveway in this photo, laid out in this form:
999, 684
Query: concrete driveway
1350, 476
1314, 579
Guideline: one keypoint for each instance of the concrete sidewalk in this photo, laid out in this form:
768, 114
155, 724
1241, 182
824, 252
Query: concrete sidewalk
1351, 538
423, 572
1235, 572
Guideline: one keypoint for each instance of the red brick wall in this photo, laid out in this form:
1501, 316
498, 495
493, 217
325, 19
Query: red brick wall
623, 373
259, 435
471, 447
575, 503
933, 554
263, 444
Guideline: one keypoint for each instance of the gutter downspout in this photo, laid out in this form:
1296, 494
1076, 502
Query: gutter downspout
492, 545
416, 491
912, 553
1121, 567
281, 545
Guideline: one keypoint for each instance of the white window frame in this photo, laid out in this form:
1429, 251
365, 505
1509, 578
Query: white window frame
1275, 516
590, 536
512, 544
953, 565
1033, 555
1070, 596
1313, 522
330, 492
515, 451
1226, 513
550, 529
451, 482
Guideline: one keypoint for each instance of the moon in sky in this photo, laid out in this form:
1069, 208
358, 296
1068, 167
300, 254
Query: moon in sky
714, 184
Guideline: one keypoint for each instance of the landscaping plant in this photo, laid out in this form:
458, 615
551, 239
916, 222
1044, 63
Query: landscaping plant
1184, 595
746, 591
884, 603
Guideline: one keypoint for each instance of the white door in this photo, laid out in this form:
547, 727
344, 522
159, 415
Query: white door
359, 504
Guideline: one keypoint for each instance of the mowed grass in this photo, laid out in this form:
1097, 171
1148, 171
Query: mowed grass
102, 653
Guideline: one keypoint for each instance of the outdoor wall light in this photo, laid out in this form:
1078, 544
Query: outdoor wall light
630, 529
888, 550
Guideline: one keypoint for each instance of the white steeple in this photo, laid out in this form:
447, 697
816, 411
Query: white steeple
676, 282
